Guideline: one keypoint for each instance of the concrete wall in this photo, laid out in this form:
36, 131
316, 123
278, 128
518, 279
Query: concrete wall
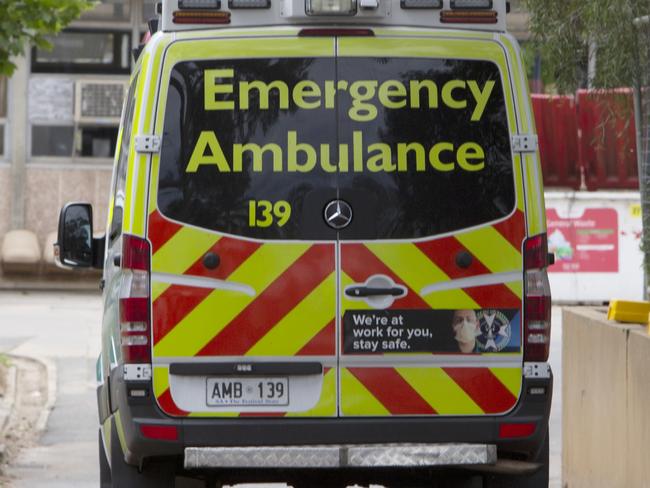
48, 189
5, 198
605, 402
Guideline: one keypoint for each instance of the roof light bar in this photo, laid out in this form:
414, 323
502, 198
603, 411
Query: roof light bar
331, 7
201, 17
199, 4
471, 4
433, 4
468, 17
249, 4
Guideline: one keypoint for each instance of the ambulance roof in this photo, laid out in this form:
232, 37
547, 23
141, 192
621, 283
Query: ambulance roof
483, 15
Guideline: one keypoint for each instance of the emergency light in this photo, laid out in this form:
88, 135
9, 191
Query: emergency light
471, 4
249, 4
406, 4
199, 4
331, 7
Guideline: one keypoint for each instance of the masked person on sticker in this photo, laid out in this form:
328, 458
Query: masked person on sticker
466, 327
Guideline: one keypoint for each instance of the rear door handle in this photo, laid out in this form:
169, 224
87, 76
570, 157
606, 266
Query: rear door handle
364, 291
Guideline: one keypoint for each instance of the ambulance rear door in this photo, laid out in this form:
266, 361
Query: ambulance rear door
243, 264
430, 261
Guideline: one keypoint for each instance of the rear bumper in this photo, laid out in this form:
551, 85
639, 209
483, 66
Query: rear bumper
274, 432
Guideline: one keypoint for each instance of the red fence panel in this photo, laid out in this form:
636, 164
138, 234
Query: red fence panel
587, 140
557, 127
608, 139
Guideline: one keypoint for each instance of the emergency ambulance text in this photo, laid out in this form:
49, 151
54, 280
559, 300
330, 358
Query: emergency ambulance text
309, 95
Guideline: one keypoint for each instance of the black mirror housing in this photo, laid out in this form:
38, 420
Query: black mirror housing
76, 246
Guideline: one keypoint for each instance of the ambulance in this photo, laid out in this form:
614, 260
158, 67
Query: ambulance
325, 256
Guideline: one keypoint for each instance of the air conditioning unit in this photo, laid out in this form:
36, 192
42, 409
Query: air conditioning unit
99, 101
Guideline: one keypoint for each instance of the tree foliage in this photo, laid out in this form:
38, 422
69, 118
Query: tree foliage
564, 30
29, 22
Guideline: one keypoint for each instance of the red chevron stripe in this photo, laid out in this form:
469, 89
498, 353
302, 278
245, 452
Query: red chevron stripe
178, 301
168, 405
513, 229
484, 388
394, 393
323, 343
161, 230
279, 298
443, 252
360, 263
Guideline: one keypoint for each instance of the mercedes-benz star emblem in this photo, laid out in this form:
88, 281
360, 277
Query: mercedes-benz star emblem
338, 214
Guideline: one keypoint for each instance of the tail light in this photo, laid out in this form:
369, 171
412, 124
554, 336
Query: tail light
135, 321
537, 300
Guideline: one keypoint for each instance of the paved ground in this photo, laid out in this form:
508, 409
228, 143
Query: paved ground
64, 328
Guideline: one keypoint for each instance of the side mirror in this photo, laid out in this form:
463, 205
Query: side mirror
76, 247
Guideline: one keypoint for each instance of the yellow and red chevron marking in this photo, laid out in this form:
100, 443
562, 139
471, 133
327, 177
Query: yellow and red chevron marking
325, 407
492, 249
429, 391
292, 313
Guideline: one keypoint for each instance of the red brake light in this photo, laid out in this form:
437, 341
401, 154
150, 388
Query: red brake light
537, 300
468, 17
135, 321
160, 432
511, 431
201, 17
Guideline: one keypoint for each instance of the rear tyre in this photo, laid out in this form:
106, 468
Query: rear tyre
153, 475
104, 467
537, 480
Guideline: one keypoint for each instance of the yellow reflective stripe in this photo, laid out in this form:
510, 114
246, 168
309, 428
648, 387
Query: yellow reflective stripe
106, 428
511, 379
440, 391
213, 414
248, 48
492, 249
301, 324
120, 431
521, 91
222, 306
356, 399
130, 190
157, 289
153, 187
182, 250
326, 406
160, 380
516, 287
418, 272
179, 253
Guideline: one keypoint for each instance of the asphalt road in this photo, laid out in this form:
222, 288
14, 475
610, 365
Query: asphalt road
65, 329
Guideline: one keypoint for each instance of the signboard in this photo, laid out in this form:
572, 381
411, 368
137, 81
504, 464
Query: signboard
584, 243
51, 100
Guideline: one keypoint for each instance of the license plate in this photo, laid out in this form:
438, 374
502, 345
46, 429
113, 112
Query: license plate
227, 392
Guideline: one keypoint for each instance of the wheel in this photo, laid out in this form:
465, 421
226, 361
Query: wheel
537, 480
123, 475
104, 467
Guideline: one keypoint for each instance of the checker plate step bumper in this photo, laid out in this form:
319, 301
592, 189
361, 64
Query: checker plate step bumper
332, 456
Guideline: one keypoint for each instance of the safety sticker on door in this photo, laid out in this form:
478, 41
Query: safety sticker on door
431, 331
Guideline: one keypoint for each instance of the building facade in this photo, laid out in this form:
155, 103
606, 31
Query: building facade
59, 118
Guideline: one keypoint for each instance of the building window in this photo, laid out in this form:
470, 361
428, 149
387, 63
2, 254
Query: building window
3, 114
74, 118
85, 51
109, 11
